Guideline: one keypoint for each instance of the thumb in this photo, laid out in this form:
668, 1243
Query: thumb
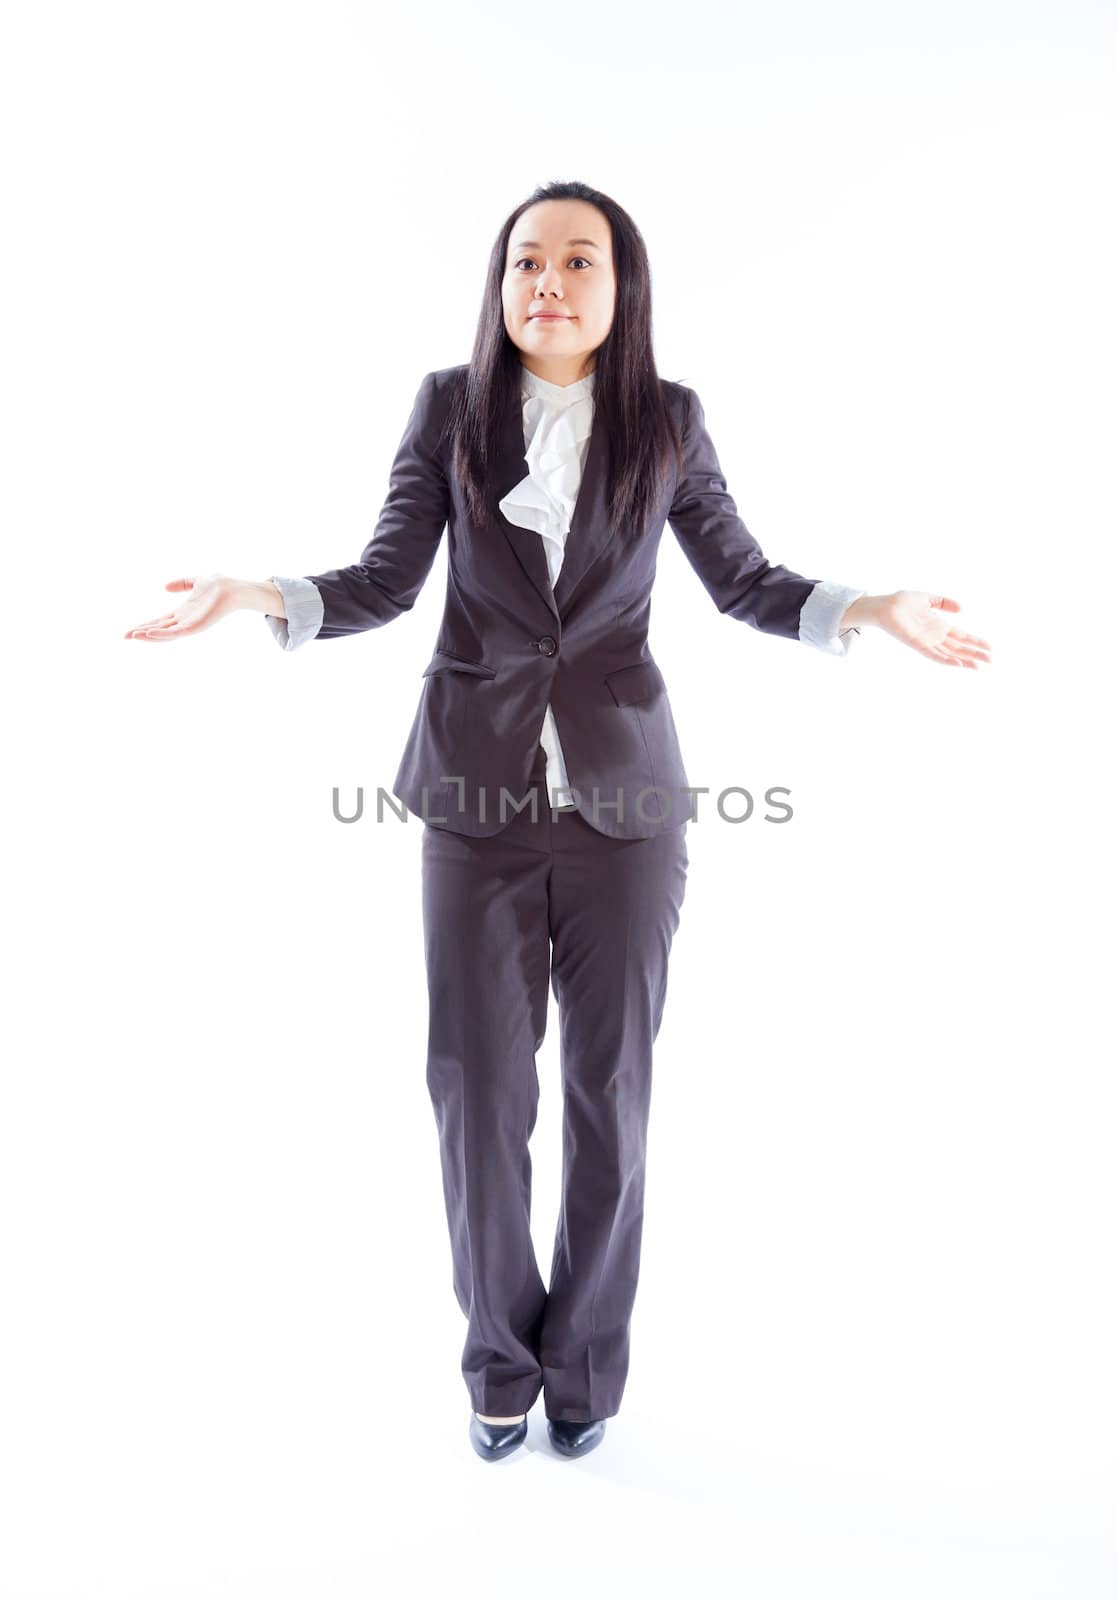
944, 603
179, 583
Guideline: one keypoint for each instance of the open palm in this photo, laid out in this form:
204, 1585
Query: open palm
208, 601
922, 620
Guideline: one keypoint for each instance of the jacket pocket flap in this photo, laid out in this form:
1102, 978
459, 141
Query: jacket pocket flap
446, 661
638, 682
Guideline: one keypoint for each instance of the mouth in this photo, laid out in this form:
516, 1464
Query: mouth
548, 316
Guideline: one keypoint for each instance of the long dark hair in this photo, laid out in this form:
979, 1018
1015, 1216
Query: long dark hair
627, 397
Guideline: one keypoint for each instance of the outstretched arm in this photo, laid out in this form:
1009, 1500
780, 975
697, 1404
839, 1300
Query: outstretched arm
384, 584
744, 584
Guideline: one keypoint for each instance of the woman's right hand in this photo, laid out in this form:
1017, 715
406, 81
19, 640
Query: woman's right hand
209, 598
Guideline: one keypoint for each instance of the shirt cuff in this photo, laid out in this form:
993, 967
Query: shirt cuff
302, 600
821, 613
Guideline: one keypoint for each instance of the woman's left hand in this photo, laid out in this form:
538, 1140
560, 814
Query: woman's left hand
921, 620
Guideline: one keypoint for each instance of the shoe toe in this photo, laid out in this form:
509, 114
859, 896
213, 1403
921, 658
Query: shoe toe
493, 1441
575, 1438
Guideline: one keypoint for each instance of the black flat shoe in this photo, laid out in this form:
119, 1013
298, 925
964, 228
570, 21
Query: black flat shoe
493, 1441
575, 1438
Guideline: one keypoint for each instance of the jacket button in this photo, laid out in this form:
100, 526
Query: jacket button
546, 646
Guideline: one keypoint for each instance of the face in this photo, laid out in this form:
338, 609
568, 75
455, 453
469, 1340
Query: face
559, 288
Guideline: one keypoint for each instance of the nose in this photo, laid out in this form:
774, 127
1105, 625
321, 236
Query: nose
550, 282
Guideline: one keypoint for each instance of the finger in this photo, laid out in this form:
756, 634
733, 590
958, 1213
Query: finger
167, 616
969, 638
180, 583
938, 655
943, 603
969, 655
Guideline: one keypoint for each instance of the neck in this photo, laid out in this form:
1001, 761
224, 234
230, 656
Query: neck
560, 370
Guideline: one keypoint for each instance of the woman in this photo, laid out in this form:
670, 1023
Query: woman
555, 457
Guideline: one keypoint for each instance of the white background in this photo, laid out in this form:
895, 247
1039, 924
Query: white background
872, 1347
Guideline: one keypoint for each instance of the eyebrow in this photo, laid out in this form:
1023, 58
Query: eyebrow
534, 244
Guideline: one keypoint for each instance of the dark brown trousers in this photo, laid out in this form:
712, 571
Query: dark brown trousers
550, 901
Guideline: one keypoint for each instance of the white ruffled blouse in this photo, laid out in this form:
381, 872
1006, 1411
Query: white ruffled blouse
557, 423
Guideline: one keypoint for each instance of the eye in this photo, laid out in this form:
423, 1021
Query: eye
522, 259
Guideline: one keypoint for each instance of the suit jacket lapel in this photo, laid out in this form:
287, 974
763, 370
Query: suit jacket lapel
589, 523
510, 466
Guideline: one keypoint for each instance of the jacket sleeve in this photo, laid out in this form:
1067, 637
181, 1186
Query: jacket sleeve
740, 580
398, 558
